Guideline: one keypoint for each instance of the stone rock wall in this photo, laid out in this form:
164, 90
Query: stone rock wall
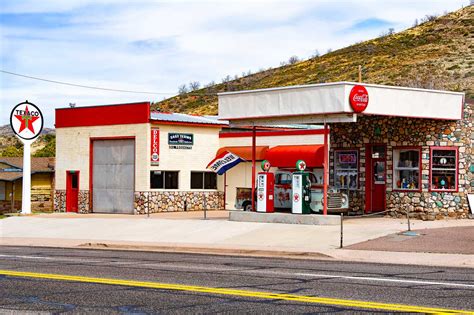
6, 206
423, 133
84, 201
60, 201
41, 200
169, 201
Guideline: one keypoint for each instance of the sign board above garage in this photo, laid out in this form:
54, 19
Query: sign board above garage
331, 102
180, 140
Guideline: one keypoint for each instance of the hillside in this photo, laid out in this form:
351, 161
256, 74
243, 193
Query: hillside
437, 54
11, 146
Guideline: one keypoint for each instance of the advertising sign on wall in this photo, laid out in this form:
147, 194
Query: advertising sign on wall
347, 158
359, 98
155, 146
180, 140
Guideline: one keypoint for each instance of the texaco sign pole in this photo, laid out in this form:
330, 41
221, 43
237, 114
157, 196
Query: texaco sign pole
26, 121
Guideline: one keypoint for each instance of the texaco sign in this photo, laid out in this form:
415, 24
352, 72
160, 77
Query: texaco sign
26, 120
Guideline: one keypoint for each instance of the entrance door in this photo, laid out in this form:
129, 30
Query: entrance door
113, 174
72, 191
375, 178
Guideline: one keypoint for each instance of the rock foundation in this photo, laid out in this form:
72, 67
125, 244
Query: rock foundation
60, 201
171, 201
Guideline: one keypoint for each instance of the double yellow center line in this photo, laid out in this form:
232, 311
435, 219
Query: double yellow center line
240, 293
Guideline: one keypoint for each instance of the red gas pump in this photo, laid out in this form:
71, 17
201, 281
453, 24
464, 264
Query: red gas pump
265, 189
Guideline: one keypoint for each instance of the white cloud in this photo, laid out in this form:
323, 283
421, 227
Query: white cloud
156, 46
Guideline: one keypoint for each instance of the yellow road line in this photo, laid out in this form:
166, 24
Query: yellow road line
235, 292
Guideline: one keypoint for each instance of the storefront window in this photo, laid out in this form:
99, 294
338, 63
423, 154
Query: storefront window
444, 169
346, 166
203, 180
164, 179
406, 169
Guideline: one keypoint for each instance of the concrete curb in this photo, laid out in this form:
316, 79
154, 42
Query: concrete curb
345, 255
207, 250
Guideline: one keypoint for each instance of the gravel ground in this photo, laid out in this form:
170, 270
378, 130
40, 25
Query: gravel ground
452, 240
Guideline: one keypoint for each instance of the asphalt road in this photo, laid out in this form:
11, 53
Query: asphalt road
190, 283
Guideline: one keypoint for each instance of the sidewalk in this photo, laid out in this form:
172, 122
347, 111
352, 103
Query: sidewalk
189, 232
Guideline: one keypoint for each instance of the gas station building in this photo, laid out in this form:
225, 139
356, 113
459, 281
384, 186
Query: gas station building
389, 148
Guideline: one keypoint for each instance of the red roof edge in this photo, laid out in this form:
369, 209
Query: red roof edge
114, 114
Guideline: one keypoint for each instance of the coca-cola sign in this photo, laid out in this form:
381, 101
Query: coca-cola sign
359, 98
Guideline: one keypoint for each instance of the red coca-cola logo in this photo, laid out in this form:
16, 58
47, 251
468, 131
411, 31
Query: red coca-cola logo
359, 98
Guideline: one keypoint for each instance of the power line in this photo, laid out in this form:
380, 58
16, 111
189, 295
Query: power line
95, 87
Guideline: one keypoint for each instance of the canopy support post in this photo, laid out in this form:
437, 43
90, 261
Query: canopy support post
225, 191
326, 170
254, 144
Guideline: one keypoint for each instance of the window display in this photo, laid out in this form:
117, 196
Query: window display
346, 169
444, 168
406, 169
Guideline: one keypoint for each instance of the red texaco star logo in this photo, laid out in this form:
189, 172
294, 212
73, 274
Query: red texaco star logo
26, 121
260, 196
296, 197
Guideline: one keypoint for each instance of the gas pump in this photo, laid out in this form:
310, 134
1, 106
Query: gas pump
265, 186
301, 192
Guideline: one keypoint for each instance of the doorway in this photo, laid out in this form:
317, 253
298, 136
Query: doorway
72, 191
375, 177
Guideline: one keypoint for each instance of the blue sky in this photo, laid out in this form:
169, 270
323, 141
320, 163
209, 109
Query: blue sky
157, 46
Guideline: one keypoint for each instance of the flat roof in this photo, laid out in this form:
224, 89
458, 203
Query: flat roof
186, 118
314, 103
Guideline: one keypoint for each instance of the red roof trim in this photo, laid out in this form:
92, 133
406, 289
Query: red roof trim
272, 133
179, 123
119, 114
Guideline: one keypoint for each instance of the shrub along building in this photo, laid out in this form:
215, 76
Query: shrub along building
392, 148
42, 183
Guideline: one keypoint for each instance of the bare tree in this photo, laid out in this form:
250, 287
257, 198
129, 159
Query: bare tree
415, 23
195, 85
226, 79
212, 83
293, 60
316, 54
429, 18
329, 51
182, 89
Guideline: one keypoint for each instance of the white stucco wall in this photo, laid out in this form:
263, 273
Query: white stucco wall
206, 144
73, 149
